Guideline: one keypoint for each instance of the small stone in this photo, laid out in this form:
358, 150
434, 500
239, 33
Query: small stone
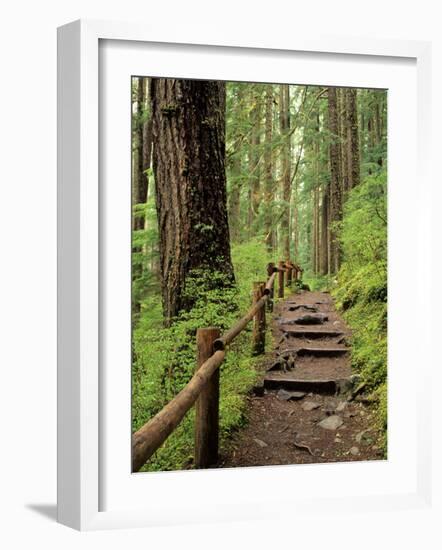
359, 436
330, 408
354, 451
284, 395
310, 406
338, 440
296, 395
260, 442
342, 405
331, 422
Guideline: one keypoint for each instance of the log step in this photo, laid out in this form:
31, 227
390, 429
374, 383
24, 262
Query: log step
321, 352
312, 333
327, 387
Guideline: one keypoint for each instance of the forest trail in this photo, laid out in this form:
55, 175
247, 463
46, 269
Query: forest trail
306, 413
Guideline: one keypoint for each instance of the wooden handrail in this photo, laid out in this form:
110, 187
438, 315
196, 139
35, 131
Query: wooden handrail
155, 432
232, 333
152, 435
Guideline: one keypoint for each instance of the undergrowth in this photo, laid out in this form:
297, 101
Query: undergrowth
361, 288
164, 358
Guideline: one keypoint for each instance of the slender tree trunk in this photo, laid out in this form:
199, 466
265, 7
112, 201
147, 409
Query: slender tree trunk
295, 229
286, 170
189, 166
234, 197
254, 158
343, 137
353, 157
139, 177
268, 170
324, 233
335, 181
316, 216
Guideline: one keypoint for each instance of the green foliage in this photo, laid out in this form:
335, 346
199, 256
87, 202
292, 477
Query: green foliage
361, 291
164, 358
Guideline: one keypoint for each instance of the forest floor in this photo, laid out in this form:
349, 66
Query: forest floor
305, 411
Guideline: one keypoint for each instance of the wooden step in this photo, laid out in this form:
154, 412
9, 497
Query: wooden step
327, 387
313, 333
322, 352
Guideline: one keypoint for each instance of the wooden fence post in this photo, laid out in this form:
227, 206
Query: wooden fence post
207, 404
259, 321
289, 273
281, 279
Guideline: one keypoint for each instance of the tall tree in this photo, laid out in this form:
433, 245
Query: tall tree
341, 95
236, 166
316, 215
353, 158
254, 155
188, 125
325, 234
268, 170
335, 180
139, 175
284, 107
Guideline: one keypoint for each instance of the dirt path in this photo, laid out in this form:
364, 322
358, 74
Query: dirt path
303, 413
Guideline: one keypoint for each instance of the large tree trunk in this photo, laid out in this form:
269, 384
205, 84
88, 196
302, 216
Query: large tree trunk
335, 181
268, 170
189, 166
286, 170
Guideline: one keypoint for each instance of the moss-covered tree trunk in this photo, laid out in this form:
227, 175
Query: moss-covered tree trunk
189, 166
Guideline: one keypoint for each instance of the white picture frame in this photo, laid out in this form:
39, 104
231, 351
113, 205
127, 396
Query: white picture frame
79, 408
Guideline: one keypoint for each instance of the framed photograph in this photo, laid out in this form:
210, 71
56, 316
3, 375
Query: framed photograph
232, 321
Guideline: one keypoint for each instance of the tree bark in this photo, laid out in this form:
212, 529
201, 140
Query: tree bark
188, 124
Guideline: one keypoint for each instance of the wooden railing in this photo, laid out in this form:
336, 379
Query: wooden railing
203, 388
